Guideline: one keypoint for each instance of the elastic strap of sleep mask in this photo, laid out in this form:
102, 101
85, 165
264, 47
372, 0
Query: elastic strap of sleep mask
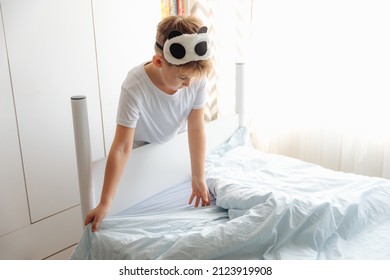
159, 46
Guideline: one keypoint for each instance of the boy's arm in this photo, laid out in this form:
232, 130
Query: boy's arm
197, 147
119, 154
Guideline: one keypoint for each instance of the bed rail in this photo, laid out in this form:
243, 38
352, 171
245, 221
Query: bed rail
240, 90
83, 153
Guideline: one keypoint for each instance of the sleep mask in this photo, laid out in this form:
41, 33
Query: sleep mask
182, 48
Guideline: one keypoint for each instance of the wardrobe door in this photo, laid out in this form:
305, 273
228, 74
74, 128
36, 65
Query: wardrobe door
125, 37
52, 57
13, 200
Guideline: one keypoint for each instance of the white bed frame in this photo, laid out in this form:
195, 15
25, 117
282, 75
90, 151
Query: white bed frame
151, 168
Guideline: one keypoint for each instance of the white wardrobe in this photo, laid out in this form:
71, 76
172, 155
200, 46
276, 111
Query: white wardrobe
49, 51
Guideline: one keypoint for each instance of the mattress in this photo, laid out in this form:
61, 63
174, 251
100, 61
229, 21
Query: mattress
170, 200
265, 206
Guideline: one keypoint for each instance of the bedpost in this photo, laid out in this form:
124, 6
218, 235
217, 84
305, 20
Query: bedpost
83, 153
240, 93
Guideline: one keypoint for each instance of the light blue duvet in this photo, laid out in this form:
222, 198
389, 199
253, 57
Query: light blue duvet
267, 207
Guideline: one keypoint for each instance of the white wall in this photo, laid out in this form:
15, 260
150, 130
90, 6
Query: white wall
125, 37
50, 51
13, 197
52, 56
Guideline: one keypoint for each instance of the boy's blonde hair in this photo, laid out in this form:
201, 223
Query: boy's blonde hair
186, 25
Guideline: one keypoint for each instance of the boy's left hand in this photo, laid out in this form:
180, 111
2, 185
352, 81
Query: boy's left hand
200, 193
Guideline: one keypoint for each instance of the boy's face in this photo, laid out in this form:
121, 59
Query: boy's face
174, 77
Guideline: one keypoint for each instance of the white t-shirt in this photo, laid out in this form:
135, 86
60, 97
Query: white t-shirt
157, 116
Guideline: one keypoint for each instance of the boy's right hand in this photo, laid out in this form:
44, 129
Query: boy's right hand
95, 216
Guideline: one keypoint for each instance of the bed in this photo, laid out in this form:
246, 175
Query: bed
264, 206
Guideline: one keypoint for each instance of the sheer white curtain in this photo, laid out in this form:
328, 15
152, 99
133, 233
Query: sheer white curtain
318, 82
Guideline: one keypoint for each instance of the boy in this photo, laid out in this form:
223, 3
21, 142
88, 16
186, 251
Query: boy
158, 100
